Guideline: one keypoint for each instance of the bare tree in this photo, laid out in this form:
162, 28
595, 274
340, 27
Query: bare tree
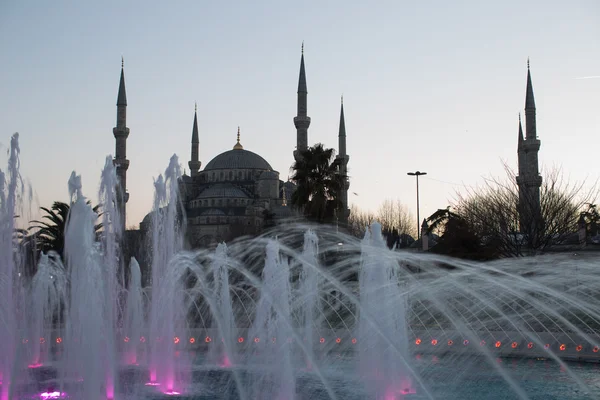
395, 216
359, 220
497, 215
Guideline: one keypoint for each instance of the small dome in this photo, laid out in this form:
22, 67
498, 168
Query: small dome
238, 159
222, 190
186, 179
212, 211
269, 175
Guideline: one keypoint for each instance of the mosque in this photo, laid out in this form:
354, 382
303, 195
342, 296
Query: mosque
238, 190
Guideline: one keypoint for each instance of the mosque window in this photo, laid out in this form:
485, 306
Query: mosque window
212, 177
221, 174
220, 202
230, 175
212, 202
240, 175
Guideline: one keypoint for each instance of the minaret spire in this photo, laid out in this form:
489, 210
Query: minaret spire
121, 133
342, 131
302, 120
521, 138
122, 96
343, 160
530, 108
194, 162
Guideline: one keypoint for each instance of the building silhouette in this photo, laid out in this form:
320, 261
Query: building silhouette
529, 179
238, 190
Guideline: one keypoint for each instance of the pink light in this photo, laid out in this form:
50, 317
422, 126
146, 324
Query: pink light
395, 393
171, 393
110, 388
226, 363
131, 358
34, 365
51, 395
152, 384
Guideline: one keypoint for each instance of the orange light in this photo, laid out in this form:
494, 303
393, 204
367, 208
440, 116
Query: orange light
450, 342
126, 339
547, 346
579, 348
59, 340
176, 339
42, 340
322, 340
338, 340
434, 342
256, 340
240, 340
418, 341
530, 345
142, 339
498, 344
207, 339
514, 345
465, 342
192, 340
595, 349
562, 347
354, 341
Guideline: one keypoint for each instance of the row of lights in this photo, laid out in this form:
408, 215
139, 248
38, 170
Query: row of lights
192, 340
240, 339
514, 345
418, 341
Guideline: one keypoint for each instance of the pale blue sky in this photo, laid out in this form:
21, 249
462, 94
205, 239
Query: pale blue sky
429, 85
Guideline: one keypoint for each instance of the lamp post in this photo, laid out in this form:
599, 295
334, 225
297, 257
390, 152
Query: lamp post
417, 174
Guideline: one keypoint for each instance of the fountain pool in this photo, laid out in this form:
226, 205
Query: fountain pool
302, 312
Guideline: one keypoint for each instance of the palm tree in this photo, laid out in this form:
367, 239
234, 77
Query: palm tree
458, 238
592, 219
51, 229
319, 183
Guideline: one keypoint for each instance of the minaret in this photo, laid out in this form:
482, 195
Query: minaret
529, 179
522, 156
343, 158
121, 132
301, 120
195, 163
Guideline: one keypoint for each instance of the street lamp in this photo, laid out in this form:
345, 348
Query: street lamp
417, 174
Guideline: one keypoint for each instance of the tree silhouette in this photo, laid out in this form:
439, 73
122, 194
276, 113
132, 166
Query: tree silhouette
319, 184
50, 234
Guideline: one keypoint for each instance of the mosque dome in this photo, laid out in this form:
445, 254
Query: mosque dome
222, 190
270, 175
238, 159
213, 212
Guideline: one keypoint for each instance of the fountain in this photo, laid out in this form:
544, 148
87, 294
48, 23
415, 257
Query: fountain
383, 337
223, 353
133, 319
271, 326
311, 313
